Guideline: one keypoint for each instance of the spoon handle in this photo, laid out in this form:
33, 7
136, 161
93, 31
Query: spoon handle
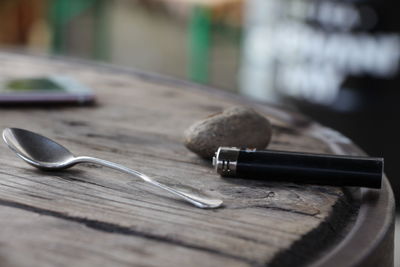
199, 202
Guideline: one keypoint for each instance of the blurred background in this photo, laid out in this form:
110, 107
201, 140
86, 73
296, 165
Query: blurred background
337, 61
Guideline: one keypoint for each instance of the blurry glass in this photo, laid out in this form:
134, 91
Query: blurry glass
330, 53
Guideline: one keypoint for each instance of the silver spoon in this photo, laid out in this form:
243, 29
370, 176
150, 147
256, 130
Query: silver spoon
43, 153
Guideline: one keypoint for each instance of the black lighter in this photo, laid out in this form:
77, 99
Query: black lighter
299, 167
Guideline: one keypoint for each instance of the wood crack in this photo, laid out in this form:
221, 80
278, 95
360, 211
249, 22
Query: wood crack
312, 243
121, 230
280, 209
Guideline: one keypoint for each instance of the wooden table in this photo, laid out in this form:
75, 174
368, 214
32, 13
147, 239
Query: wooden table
92, 216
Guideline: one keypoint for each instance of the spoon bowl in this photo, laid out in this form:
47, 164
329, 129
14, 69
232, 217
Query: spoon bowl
44, 153
38, 150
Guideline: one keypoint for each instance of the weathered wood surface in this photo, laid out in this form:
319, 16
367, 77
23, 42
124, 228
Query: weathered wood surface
91, 216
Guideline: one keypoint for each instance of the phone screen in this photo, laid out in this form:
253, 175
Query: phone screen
51, 89
38, 84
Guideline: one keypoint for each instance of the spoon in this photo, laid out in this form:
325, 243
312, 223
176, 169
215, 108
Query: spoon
43, 153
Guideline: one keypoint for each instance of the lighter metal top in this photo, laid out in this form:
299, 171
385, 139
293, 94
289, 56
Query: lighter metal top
225, 160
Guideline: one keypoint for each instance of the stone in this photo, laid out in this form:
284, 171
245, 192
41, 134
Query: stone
237, 126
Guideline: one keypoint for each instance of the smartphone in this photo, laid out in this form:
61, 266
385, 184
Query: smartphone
50, 89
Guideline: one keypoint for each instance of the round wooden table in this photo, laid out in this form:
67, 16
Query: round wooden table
92, 216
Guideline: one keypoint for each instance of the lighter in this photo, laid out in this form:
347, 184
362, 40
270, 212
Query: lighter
299, 167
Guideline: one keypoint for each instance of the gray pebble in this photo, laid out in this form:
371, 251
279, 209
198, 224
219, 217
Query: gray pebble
235, 127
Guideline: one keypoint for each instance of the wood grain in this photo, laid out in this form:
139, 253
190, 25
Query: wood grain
90, 216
